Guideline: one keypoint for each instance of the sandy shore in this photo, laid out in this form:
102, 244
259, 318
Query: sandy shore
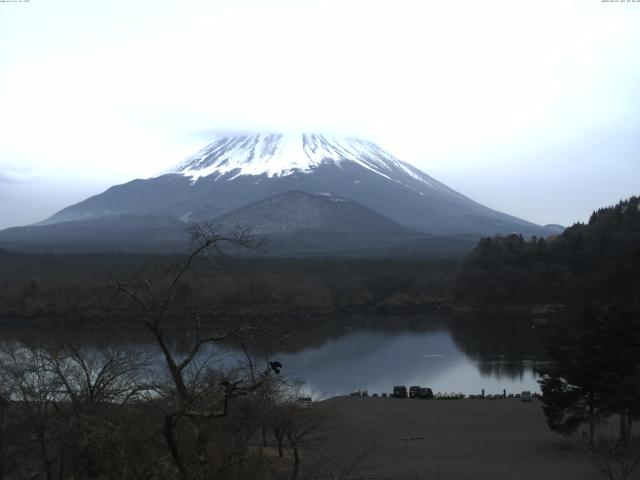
457, 439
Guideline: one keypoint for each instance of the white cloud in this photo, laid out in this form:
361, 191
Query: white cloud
444, 84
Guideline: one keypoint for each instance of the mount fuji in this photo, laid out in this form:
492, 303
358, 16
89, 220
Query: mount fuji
243, 171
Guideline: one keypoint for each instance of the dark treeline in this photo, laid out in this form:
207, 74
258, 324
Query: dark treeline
504, 270
581, 264
32, 284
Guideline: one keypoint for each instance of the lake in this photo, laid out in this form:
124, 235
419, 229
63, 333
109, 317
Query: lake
377, 360
448, 353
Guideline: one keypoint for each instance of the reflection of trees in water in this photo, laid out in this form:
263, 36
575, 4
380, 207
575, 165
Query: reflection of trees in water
503, 344
288, 333
314, 333
497, 342
511, 368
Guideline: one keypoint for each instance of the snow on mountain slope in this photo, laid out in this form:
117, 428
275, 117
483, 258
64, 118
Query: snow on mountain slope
281, 155
237, 170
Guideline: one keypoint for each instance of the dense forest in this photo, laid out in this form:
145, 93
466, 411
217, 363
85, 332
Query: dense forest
586, 262
35, 284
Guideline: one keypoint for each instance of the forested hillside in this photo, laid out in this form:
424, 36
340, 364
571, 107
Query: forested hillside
586, 262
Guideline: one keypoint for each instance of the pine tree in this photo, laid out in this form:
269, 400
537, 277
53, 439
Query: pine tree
595, 371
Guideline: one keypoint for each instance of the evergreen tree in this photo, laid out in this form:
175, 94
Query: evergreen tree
595, 370
571, 384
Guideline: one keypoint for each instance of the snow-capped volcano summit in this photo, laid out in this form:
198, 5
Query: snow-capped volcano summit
237, 170
274, 155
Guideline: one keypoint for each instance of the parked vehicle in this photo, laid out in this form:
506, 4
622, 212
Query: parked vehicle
525, 396
400, 392
414, 391
426, 393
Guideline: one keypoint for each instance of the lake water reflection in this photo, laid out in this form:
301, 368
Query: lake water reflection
335, 356
376, 361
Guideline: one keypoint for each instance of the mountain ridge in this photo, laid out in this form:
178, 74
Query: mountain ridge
295, 210
293, 224
234, 171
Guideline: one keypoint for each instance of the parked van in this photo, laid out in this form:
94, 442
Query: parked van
414, 391
426, 393
400, 392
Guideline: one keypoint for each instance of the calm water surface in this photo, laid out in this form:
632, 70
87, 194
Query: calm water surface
376, 361
463, 354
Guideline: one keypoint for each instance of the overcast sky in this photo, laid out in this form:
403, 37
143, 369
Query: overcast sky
529, 107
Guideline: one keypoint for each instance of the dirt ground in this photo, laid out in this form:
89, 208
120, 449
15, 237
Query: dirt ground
457, 440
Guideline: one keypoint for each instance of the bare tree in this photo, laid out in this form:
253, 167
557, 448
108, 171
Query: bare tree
113, 376
27, 377
195, 393
4, 433
64, 407
97, 389
615, 459
302, 426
